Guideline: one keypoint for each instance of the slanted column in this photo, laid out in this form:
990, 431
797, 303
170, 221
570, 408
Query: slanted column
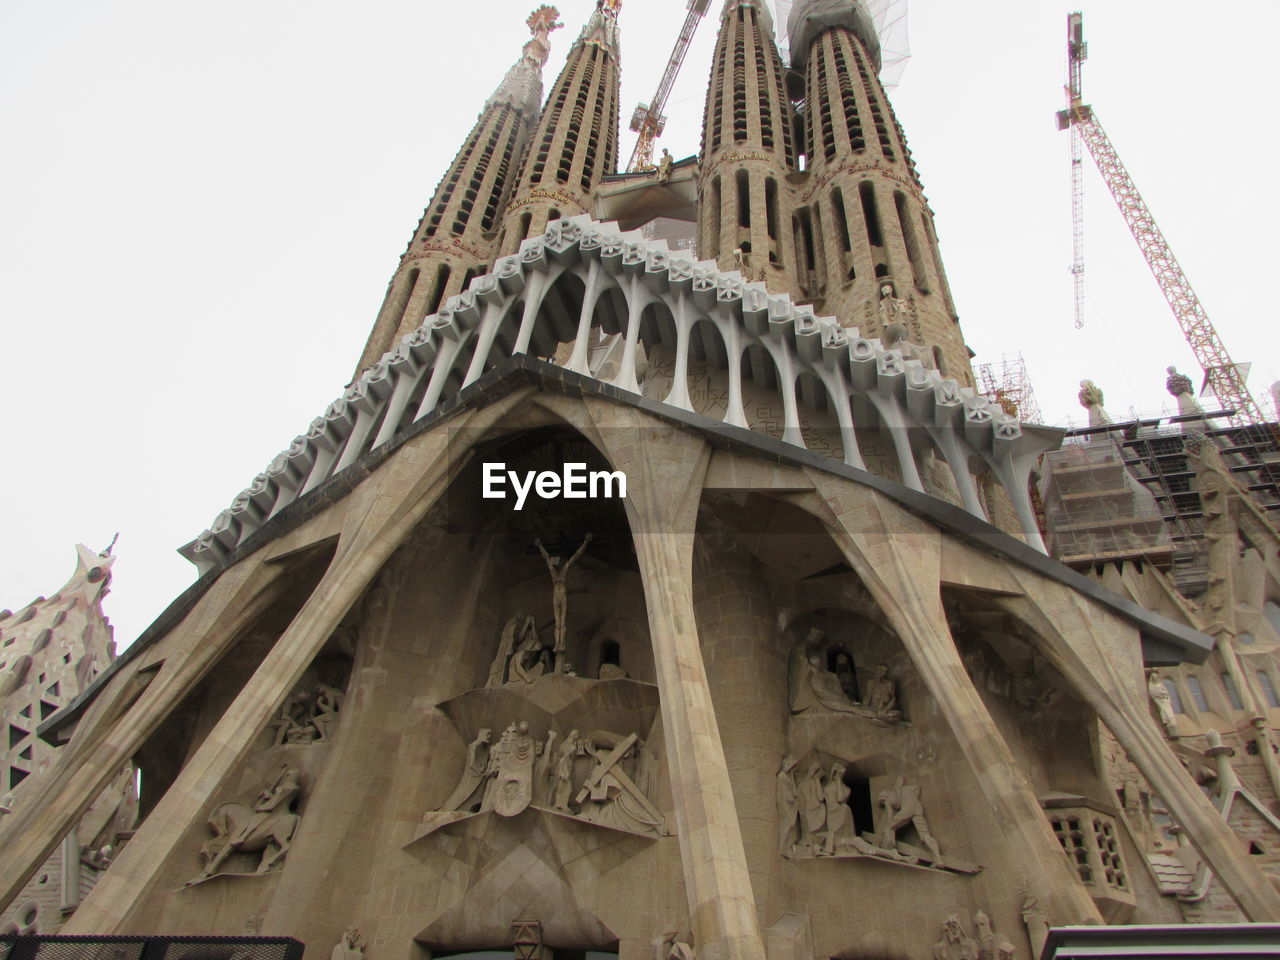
381, 514
664, 471
899, 561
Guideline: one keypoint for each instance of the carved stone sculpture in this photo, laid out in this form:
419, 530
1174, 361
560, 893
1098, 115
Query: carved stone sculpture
267, 826
506, 647
882, 695
467, 793
1159, 694
325, 711
892, 308
562, 789
839, 816
350, 947
526, 662
664, 166
788, 807
955, 943
813, 808
511, 767
610, 797
293, 725
900, 806
559, 571
815, 688
1037, 925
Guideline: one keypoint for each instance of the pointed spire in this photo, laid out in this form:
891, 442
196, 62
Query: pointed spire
602, 28
522, 86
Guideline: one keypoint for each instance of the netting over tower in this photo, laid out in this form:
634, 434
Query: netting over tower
890, 19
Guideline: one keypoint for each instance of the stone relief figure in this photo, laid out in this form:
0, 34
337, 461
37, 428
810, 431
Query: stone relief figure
813, 808
893, 309
467, 793
328, 703
267, 826
839, 816
664, 166
846, 674
527, 663
788, 807
815, 688
293, 725
1159, 694
506, 648
991, 947
610, 797
900, 806
882, 696
559, 571
955, 943
511, 767
562, 787
350, 947
307, 717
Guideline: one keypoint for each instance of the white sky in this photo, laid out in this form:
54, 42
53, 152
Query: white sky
201, 204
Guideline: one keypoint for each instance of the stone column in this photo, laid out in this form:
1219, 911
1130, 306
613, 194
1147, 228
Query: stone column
898, 559
1077, 639
664, 469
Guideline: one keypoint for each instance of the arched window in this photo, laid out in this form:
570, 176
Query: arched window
1197, 693
1268, 690
1232, 693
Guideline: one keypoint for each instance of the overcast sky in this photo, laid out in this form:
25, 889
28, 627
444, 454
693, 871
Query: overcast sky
201, 204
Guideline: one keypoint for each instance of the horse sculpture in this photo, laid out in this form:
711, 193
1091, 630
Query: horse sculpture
267, 825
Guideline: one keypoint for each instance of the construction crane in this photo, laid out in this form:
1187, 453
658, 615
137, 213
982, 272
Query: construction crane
1222, 376
648, 120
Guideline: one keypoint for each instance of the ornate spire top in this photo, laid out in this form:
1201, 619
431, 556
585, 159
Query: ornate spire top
602, 28
522, 86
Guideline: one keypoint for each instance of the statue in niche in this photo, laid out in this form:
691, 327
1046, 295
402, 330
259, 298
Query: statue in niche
788, 807
815, 688
562, 788
610, 797
893, 309
900, 806
1160, 696
350, 947
527, 663
325, 712
307, 717
267, 826
293, 725
846, 674
813, 809
511, 767
882, 696
839, 816
559, 571
466, 794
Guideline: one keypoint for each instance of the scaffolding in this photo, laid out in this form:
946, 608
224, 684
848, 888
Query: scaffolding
1091, 520
1007, 383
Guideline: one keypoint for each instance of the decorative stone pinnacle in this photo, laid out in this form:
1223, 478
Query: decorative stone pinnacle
522, 86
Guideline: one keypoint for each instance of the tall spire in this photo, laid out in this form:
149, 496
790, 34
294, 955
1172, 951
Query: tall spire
522, 86
576, 142
454, 239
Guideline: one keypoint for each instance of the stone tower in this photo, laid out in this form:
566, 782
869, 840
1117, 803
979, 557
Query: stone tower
576, 141
455, 239
50, 652
714, 647
866, 227
748, 151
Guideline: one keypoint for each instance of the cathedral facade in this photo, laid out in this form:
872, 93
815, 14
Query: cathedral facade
661, 586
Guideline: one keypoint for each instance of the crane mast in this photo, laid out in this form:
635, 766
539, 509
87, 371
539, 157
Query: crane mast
1222, 376
1077, 51
648, 119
